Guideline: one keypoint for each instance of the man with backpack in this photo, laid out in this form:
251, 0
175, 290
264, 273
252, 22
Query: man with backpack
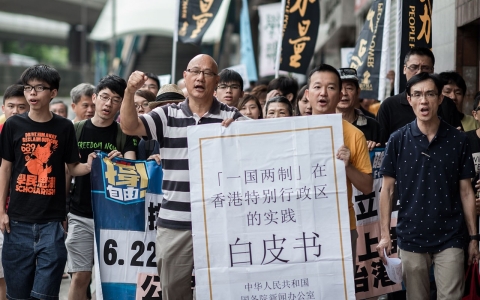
101, 132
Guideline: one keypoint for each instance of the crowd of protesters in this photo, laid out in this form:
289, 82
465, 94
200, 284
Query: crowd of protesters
431, 165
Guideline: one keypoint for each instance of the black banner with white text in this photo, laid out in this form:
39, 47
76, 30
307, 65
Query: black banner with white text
415, 31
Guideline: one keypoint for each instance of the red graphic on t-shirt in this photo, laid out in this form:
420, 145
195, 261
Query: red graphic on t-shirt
38, 165
37, 147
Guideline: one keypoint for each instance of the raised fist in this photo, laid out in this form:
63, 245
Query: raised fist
136, 81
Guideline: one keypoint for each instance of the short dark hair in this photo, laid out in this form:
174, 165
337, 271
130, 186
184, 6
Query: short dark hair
154, 77
325, 68
227, 75
286, 85
15, 90
43, 73
422, 77
247, 98
149, 96
422, 51
452, 77
114, 83
280, 99
299, 97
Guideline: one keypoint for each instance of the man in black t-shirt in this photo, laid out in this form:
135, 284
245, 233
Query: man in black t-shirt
98, 133
35, 148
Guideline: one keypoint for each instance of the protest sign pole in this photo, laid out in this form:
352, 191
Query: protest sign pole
175, 40
279, 43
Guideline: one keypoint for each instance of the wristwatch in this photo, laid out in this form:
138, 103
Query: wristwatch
475, 237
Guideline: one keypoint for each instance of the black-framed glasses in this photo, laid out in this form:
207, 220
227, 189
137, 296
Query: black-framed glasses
105, 98
233, 87
37, 88
347, 72
415, 68
427, 95
477, 109
206, 73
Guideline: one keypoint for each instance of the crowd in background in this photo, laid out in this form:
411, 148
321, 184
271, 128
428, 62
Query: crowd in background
112, 116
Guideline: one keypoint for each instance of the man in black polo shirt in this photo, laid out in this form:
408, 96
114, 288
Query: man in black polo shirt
395, 112
347, 107
432, 165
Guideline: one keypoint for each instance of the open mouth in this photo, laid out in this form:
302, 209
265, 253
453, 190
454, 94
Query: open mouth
199, 87
322, 102
33, 101
424, 111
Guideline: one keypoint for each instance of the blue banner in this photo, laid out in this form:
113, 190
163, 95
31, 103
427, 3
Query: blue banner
126, 198
246, 50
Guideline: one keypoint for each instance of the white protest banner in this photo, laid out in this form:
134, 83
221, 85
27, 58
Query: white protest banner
274, 224
371, 277
270, 16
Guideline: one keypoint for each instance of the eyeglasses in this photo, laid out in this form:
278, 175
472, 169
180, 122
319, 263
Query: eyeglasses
415, 68
144, 105
233, 87
37, 88
477, 109
427, 95
197, 72
105, 98
347, 72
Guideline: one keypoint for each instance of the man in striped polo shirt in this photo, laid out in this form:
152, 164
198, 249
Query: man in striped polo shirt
168, 125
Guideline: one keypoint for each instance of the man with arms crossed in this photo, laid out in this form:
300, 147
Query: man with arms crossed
167, 124
431, 163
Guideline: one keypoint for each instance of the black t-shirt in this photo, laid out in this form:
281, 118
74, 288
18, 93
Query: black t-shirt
94, 138
369, 127
395, 112
38, 152
474, 141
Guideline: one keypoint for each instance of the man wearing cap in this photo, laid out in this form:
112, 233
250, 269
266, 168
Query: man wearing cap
169, 93
167, 124
348, 108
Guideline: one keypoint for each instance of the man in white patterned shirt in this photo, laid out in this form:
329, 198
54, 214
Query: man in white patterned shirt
167, 124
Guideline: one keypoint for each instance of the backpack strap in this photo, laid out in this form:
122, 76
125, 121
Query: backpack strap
121, 139
78, 129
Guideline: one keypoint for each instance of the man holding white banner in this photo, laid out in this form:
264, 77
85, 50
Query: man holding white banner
167, 125
324, 94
